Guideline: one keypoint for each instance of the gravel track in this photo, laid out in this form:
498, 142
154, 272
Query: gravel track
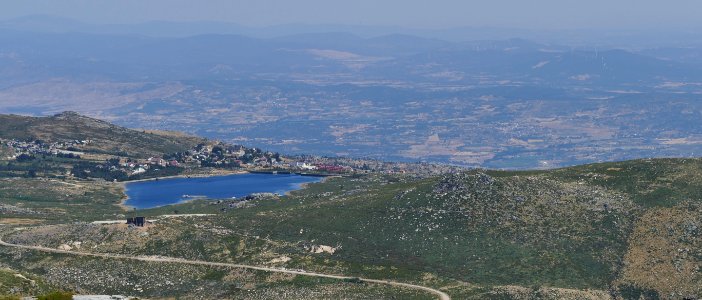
441, 295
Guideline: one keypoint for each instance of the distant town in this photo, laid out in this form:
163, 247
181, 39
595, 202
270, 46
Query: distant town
214, 155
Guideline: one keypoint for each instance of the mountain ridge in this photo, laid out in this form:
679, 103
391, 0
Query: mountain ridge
105, 137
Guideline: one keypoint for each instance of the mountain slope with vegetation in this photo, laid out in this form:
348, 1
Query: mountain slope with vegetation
622, 230
616, 230
103, 137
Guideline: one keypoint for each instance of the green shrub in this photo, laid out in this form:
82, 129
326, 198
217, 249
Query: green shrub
634, 292
57, 295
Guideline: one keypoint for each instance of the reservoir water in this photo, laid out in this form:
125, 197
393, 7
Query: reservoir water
154, 193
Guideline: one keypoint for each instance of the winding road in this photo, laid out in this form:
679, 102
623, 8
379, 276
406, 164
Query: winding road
441, 295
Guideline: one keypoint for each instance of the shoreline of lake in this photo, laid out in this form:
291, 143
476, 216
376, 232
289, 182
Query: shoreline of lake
123, 201
210, 186
196, 175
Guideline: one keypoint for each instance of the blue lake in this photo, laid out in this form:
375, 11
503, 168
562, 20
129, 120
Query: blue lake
154, 193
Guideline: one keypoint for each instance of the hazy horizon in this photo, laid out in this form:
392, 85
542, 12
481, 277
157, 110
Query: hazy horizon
547, 15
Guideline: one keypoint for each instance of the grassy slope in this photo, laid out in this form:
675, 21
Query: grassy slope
650, 182
665, 254
158, 280
602, 226
17, 284
525, 231
107, 138
58, 201
565, 228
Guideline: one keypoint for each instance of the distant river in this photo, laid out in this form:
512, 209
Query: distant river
154, 193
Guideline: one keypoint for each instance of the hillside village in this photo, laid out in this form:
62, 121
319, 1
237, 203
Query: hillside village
214, 155
92, 157
39, 147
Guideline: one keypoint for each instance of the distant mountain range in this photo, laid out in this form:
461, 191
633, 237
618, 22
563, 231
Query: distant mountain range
585, 37
390, 57
500, 103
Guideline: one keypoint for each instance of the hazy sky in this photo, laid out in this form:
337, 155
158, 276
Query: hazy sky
540, 14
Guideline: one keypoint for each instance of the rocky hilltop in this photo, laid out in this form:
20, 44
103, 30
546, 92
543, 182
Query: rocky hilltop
97, 135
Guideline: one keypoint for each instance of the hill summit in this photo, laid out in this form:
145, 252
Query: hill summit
102, 137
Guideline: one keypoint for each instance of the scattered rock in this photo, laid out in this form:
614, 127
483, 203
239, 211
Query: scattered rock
323, 249
282, 259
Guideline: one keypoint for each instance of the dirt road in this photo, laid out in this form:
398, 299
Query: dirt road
441, 295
